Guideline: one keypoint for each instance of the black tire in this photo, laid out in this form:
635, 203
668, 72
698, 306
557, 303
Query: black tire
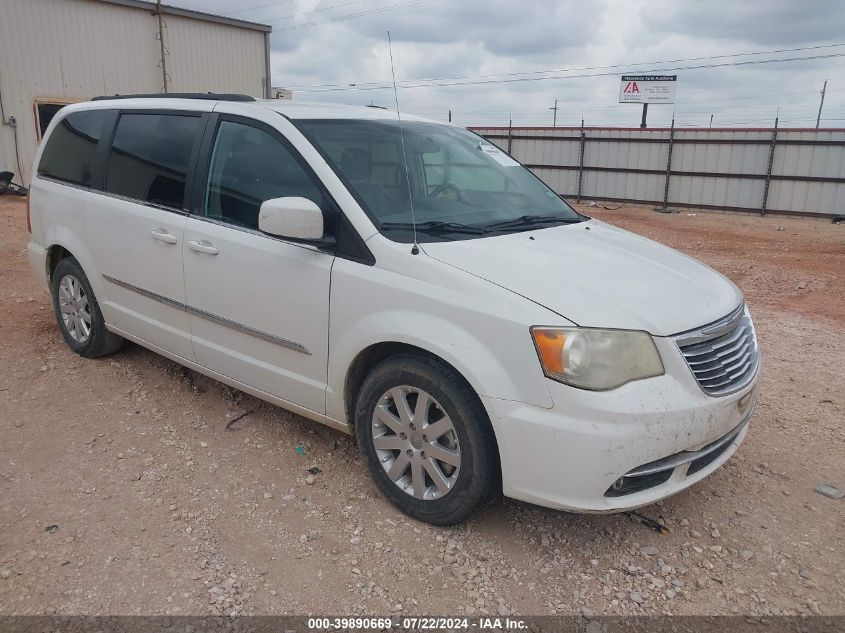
478, 480
100, 342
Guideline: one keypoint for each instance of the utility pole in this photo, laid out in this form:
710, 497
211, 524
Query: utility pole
450, 116
645, 112
163, 51
821, 104
554, 116
711, 120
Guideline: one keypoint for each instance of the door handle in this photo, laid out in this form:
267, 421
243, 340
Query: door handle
163, 236
203, 246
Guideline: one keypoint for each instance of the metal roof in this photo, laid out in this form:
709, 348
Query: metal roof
188, 13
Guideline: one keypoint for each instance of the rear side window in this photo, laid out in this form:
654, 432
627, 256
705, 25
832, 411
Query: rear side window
149, 157
71, 148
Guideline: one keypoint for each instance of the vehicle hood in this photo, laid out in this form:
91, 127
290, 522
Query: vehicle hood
596, 275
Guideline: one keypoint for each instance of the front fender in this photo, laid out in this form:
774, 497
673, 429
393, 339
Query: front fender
485, 337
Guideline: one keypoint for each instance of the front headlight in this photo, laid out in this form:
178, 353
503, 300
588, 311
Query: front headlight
596, 359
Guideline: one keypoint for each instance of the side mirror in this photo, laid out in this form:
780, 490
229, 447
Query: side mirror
295, 218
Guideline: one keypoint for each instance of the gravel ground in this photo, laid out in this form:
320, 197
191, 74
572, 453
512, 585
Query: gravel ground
123, 490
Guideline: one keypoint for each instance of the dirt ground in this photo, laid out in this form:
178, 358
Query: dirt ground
122, 491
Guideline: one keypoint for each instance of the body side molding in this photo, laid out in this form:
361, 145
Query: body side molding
266, 336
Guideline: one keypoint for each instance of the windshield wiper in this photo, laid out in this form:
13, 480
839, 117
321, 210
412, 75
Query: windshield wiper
529, 220
434, 227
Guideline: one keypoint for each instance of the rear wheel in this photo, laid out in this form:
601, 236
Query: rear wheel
427, 439
78, 313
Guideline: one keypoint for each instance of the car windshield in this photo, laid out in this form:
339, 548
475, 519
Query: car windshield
460, 185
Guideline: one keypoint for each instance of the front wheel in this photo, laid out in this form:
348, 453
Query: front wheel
427, 439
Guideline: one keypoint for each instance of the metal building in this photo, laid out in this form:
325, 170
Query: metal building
55, 52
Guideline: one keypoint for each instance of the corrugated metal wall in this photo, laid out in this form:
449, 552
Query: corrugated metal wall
209, 57
710, 168
72, 50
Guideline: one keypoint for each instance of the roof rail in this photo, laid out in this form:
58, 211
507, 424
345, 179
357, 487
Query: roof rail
210, 96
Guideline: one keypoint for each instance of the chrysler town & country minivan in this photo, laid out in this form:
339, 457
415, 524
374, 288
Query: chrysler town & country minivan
404, 281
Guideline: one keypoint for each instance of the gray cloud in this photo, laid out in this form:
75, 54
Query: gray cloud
777, 23
452, 38
502, 27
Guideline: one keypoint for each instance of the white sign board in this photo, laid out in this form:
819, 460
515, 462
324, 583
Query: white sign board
647, 88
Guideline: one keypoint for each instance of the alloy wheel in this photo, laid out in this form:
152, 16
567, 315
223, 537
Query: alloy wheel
416, 443
75, 309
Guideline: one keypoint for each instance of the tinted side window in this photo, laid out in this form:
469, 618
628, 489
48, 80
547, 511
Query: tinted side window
149, 157
249, 166
70, 150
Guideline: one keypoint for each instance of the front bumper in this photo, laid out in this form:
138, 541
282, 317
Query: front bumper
621, 449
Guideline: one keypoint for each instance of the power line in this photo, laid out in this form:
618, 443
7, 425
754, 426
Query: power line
390, 7
578, 69
328, 8
667, 61
582, 76
259, 6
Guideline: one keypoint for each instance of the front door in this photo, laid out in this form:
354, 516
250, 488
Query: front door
258, 305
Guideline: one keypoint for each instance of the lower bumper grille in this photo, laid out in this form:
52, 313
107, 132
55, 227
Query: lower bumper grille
659, 471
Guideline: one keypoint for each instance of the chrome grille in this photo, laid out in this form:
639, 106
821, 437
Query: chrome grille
723, 356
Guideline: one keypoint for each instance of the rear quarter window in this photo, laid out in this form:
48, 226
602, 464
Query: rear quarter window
70, 149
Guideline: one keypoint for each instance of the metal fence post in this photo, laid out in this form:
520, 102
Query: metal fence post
668, 166
769, 168
510, 135
581, 160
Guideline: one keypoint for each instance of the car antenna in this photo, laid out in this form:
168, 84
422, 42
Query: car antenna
416, 248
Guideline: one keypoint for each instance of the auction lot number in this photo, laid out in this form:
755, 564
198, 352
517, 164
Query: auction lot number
422, 623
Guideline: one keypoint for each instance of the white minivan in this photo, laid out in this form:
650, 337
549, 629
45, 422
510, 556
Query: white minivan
406, 282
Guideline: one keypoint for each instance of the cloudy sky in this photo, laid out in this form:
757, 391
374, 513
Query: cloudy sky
511, 56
